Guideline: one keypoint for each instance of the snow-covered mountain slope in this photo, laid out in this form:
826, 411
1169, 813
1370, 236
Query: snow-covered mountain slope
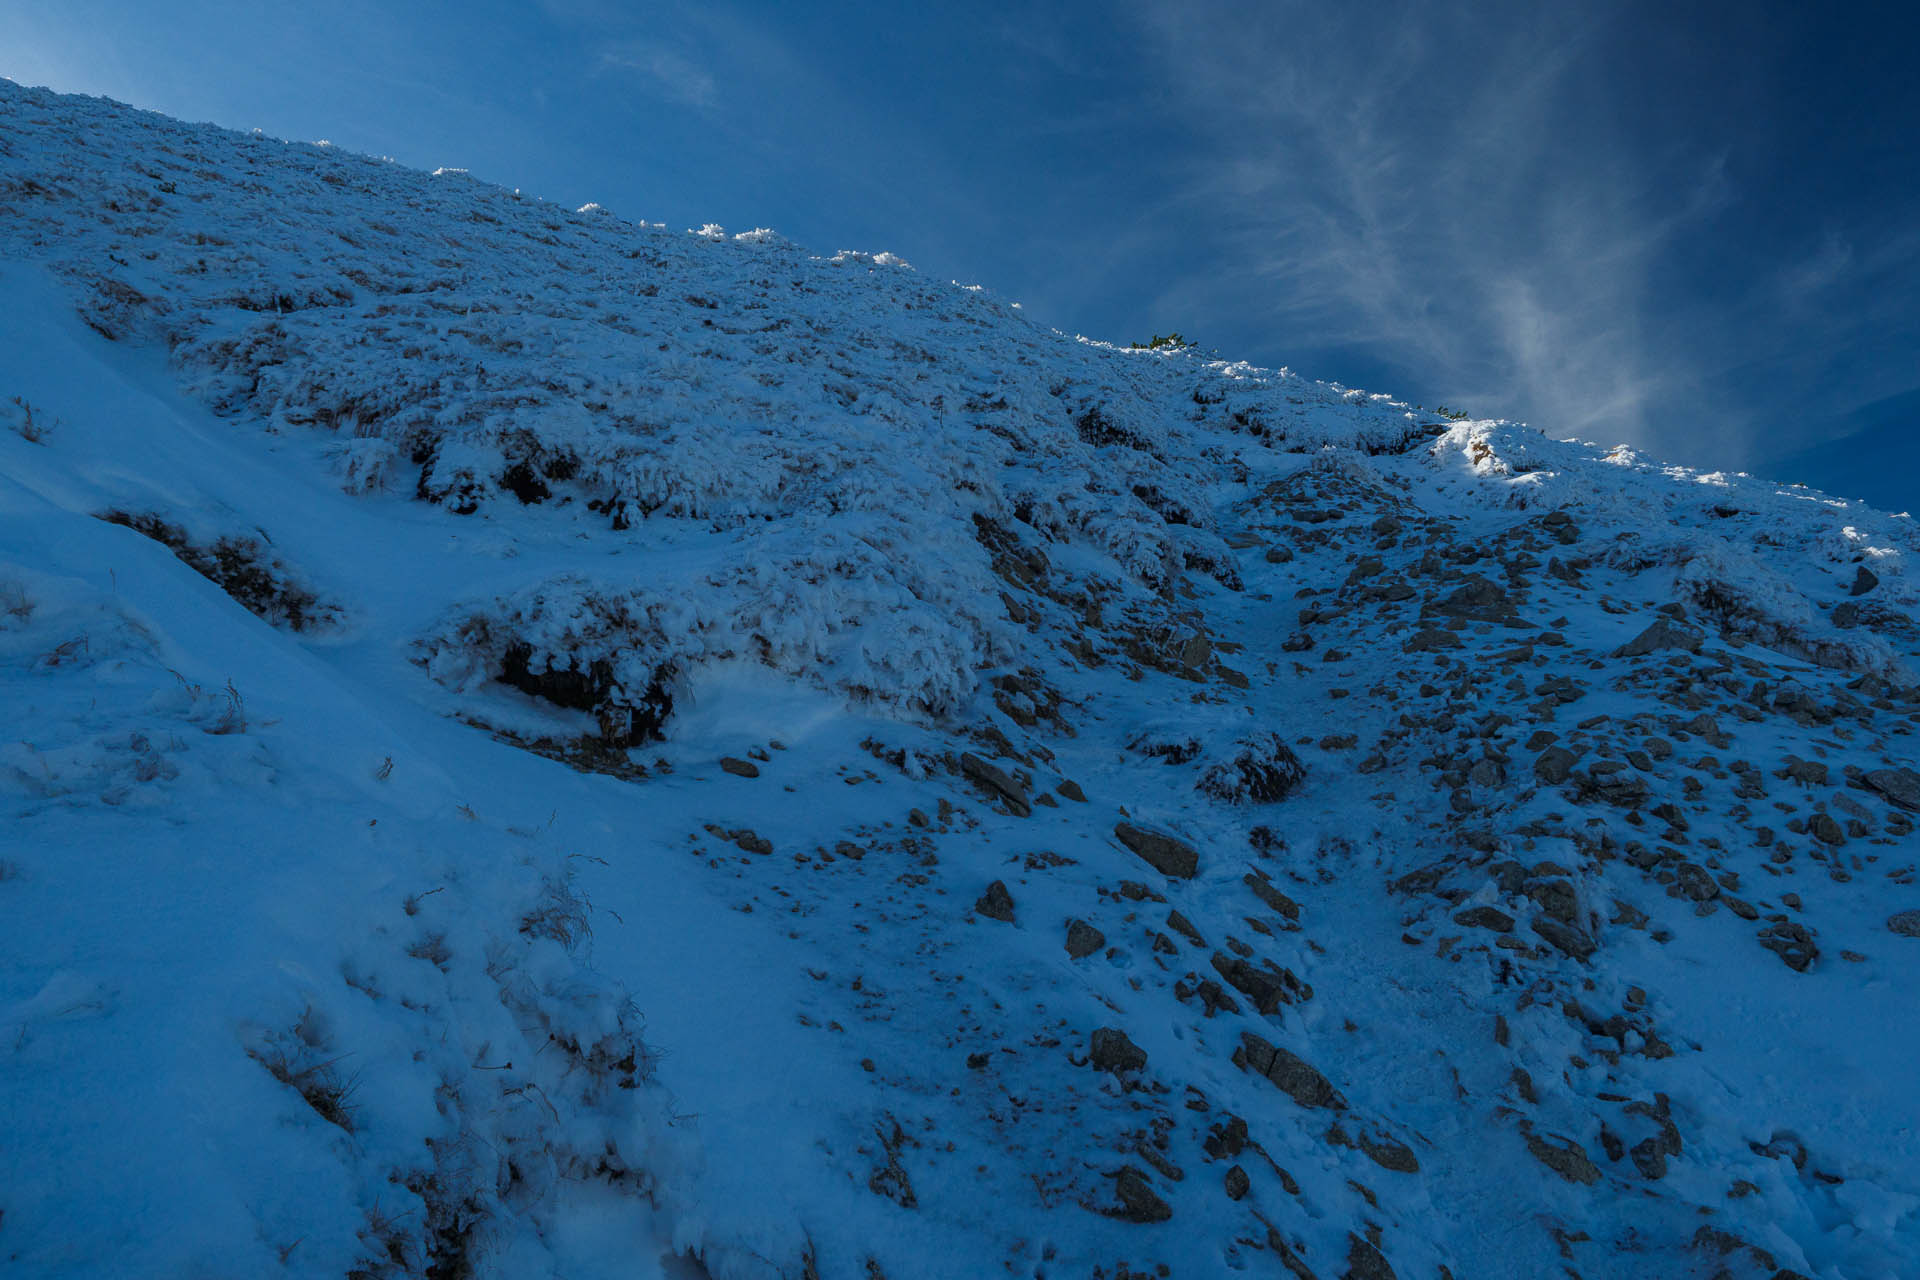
545, 745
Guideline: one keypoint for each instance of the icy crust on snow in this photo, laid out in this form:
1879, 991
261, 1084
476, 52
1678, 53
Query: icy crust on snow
1061, 811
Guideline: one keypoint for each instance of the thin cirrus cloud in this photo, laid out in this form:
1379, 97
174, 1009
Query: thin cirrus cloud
663, 71
1450, 199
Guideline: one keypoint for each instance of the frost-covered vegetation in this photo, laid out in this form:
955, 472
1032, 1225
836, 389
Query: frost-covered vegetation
542, 744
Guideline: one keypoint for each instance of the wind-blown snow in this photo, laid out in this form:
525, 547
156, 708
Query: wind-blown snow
516, 716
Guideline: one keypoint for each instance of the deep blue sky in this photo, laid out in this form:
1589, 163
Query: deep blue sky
1692, 228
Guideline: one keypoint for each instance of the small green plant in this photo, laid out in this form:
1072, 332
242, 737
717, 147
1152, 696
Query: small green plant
1452, 415
1164, 342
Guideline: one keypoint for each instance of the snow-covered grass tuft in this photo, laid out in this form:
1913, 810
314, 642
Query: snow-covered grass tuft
16, 607
21, 418
240, 566
294, 1058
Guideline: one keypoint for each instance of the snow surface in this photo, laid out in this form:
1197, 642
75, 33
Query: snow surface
448, 935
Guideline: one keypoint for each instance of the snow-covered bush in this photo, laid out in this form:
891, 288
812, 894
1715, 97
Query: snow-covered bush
1257, 769
241, 567
1747, 599
840, 617
613, 655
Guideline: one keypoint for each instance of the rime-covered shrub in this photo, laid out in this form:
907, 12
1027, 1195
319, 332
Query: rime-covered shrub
240, 566
1258, 769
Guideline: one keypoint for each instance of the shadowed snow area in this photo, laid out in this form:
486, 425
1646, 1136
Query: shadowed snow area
540, 744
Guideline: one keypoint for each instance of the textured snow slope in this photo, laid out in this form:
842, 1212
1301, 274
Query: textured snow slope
544, 745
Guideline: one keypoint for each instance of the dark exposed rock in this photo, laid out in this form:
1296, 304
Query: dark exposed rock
1663, 634
1705, 726
1722, 1243
1083, 939
1485, 917
1264, 890
1650, 1157
996, 903
1863, 581
1111, 1050
1554, 765
1364, 1262
1277, 1243
1694, 881
739, 768
1810, 772
1100, 429
1294, 1075
1564, 937
1905, 923
1793, 943
997, 781
1237, 1183
1476, 599
1138, 1201
1900, 786
1782, 1144
1268, 988
1430, 640
1165, 853
1397, 1157
1556, 898
1565, 1157
1178, 922
1613, 786
1226, 1138
745, 839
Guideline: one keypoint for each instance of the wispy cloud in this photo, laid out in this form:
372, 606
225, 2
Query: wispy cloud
1804, 280
666, 72
1445, 192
